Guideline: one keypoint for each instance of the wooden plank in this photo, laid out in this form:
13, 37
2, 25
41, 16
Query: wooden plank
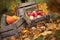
20, 12
22, 26
26, 4
7, 34
19, 22
6, 28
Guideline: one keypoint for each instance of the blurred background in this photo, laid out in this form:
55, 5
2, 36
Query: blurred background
9, 7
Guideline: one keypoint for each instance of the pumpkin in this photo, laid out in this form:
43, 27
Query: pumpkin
15, 17
10, 19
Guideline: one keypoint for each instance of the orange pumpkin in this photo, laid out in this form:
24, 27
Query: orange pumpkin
9, 19
15, 17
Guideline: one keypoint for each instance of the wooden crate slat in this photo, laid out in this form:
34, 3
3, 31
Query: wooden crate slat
19, 22
7, 34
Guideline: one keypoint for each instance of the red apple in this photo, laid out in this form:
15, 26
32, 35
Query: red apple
31, 17
38, 16
28, 13
39, 12
34, 11
35, 18
34, 14
43, 13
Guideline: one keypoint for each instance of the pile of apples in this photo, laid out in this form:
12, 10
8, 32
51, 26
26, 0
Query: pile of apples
36, 14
